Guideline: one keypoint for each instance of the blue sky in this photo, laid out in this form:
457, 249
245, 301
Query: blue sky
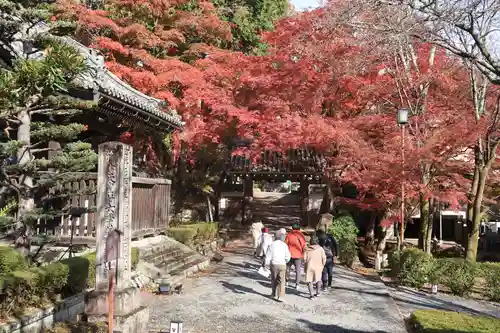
301, 4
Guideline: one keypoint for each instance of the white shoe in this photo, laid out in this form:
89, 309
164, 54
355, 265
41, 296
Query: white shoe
297, 287
286, 284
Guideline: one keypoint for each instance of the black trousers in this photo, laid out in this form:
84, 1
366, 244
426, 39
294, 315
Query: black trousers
327, 275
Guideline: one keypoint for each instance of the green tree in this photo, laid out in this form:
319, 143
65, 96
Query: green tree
250, 18
37, 119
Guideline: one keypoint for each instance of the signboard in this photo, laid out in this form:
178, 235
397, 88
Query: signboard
112, 251
176, 327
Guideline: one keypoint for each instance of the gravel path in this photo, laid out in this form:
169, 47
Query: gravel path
232, 298
409, 300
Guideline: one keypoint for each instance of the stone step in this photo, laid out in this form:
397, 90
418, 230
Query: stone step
164, 258
275, 209
156, 257
175, 277
176, 262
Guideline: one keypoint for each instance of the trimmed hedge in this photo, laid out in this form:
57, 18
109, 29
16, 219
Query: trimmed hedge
490, 271
205, 231
24, 286
344, 227
31, 287
82, 271
191, 234
414, 268
458, 275
345, 232
348, 251
183, 235
11, 260
78, 327
438, 321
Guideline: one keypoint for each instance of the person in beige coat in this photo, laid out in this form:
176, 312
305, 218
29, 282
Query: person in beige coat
315, 260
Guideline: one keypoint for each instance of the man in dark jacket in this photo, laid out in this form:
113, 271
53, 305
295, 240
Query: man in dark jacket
331, 248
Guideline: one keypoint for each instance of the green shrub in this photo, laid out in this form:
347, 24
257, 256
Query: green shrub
393, 259
206, 231
82, 271
345, 232
183, 235
54, 278
458, 275
348, 251
344, 227
11, 260
31, 287
434, 321
134, 260
415, 266
78, 277
490, 271
78, 327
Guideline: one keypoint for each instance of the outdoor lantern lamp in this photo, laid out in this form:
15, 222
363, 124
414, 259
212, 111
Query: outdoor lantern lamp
403, 116
402, 120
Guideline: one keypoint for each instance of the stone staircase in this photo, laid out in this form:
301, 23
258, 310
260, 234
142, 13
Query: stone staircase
166, 261
276, 210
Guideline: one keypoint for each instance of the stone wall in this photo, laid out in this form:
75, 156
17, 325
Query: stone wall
209, 249
37, 322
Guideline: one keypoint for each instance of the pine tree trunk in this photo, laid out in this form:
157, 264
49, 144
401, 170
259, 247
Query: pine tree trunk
473, 239
26, 202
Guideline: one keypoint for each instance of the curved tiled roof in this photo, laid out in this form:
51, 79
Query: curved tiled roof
101, 79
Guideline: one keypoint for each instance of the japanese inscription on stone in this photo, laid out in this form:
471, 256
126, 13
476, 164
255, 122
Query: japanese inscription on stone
113, 206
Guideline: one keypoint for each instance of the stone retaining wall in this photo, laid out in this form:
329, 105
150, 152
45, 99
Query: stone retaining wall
67, 310
209, 249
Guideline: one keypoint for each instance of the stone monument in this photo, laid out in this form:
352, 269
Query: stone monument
114, 211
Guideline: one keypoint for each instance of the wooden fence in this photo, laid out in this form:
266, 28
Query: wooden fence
150, 211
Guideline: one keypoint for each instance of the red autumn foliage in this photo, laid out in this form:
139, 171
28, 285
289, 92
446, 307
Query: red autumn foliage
353, 91
320, 86
158, 48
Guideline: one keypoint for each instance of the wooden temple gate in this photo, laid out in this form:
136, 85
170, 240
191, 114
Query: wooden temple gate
300, 165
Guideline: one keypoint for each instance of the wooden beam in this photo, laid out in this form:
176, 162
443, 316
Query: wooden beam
151, 181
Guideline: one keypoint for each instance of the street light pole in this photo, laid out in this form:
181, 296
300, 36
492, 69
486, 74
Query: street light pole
402, 185
402, 120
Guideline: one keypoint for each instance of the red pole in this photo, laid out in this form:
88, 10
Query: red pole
402, 187
110, 301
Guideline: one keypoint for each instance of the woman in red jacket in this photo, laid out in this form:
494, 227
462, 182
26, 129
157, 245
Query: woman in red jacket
296, 244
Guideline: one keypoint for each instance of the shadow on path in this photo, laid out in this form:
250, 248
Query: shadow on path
239, 289
411, 300
321, 328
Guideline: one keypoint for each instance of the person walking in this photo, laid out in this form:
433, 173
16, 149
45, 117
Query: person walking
256, 230
277, 257
330, 246
315, 260
265, 241
296, 244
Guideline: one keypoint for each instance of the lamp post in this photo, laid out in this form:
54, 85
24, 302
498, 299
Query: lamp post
402, 120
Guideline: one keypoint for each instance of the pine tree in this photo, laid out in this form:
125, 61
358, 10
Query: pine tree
35, 108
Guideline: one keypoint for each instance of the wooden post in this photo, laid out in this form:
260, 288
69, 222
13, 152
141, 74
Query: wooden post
111, 307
